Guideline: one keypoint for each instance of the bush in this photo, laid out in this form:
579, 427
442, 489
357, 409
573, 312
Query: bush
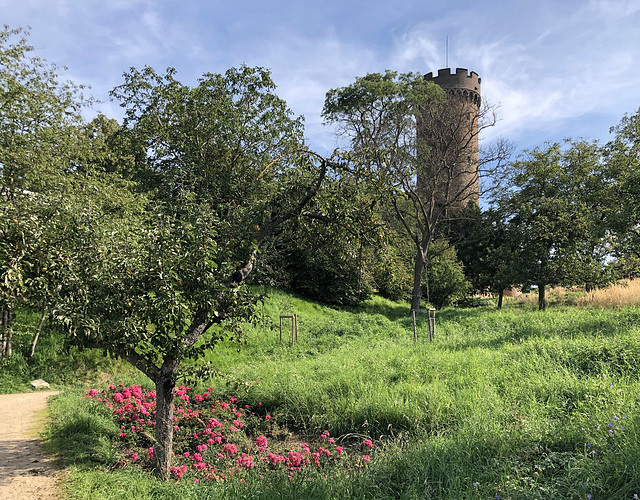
446, 281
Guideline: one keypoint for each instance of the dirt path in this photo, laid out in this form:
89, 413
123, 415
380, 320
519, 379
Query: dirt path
25, 471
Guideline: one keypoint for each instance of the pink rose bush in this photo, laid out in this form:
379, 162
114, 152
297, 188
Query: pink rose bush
216, 440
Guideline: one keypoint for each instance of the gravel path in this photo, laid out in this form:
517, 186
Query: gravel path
26, 473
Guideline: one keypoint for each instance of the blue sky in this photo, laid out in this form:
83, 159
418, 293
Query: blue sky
556, 68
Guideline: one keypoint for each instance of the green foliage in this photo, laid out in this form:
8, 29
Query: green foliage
622, 160
322, 264
486, 248
413, 142
556, 209
445, 276
325, 253
218, 159
391, 271
39, 116
385, 117
216, 169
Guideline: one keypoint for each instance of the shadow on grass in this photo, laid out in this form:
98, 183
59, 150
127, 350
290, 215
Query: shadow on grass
391, 310
84, 435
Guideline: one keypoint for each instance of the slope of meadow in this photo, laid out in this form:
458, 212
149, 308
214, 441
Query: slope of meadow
503, 404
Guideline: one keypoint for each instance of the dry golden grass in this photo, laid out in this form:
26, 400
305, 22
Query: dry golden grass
623, 293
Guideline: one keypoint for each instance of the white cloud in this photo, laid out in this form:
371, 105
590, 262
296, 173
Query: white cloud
549, 64
614, 10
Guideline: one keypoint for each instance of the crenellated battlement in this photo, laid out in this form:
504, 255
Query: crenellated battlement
461, 83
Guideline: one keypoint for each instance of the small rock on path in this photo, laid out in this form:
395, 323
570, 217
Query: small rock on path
25, 471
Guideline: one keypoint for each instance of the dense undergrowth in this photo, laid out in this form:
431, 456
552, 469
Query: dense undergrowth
52, 361
503, 404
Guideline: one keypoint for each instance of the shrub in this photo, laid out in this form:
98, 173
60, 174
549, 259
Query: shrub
446, 281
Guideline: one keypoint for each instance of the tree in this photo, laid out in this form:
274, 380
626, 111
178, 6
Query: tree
418, 143
622, 161
223, 166
320, 257
329, 252
39, 119
487, 250
556, 211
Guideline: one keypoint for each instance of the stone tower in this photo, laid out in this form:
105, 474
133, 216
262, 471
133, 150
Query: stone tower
461, 119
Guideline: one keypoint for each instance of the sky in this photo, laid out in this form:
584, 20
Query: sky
555, 68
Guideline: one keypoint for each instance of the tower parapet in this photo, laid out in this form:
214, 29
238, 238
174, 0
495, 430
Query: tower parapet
461, 84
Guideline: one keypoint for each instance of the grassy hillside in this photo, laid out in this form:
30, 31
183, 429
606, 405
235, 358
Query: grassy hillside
503, 404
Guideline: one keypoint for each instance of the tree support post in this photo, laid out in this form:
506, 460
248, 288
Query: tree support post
294, 327
431, 323
415, 331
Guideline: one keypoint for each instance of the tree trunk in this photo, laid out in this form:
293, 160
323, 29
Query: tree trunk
500, 296
417, 282
163, 447
7, 332
36, 335
542, 301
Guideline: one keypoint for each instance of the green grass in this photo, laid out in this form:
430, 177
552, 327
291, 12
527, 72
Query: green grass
503, 403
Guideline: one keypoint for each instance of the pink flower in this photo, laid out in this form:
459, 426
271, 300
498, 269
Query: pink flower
261, 442
339, 449
274, 459
368, 443
295, 459
134, 456
245, 461
366, 458
230, 449
214, 422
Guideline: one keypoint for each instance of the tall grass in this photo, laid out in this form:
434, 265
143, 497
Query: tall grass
622, 294
616, 295
510, 403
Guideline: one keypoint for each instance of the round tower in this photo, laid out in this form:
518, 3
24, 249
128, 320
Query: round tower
461, 118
